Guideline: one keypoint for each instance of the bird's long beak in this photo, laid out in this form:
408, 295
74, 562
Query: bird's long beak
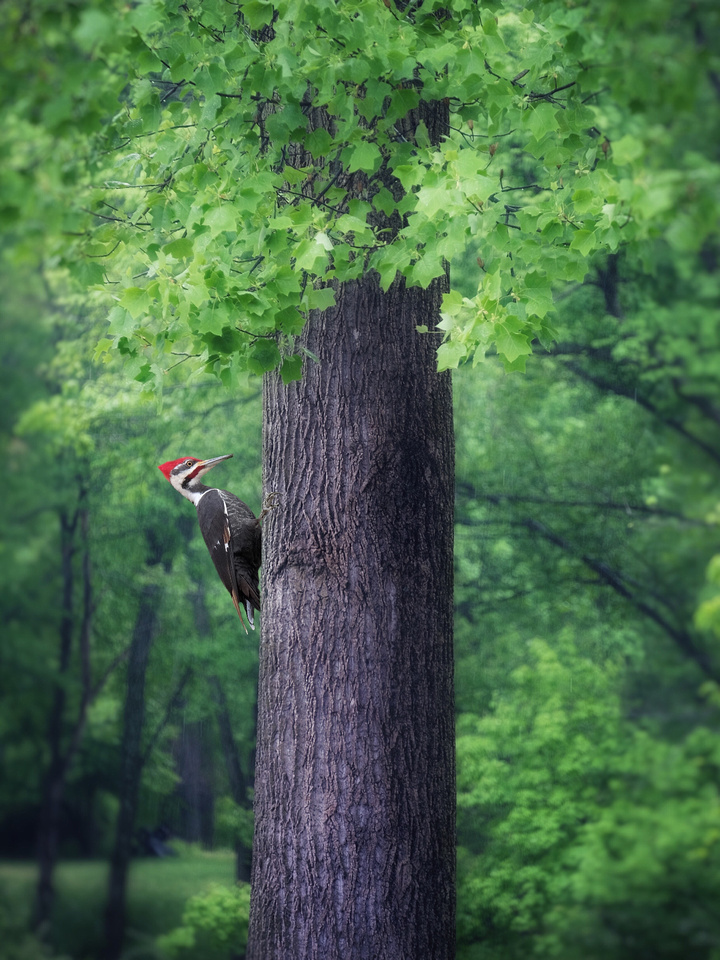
208, 464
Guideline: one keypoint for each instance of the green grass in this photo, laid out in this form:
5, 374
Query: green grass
157, 892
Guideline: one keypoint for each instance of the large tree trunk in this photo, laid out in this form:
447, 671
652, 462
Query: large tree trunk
131, 762
354, 850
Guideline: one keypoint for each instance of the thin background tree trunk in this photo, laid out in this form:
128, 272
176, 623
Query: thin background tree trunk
354, 850
131, 761
63, 754
236, 777
238, 782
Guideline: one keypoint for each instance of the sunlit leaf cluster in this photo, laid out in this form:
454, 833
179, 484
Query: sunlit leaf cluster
260, 153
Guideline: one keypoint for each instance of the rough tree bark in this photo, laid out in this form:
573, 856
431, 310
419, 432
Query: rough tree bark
354, 849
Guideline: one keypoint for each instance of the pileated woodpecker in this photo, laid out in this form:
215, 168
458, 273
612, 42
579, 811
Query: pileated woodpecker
229, 527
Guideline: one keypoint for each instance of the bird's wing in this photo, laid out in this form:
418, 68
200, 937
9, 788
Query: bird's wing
216, 530
233, 589
246, 548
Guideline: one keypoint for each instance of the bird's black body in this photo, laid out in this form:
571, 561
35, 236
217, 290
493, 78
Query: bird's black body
231, 531
233, 536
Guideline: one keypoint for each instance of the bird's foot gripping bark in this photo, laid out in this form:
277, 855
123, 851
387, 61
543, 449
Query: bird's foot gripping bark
269, 502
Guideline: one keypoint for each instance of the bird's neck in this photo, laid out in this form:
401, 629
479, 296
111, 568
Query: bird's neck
194, 491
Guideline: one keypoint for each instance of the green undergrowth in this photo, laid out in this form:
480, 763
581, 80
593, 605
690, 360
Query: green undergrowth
158, 891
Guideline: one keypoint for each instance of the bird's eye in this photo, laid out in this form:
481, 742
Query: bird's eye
189, 463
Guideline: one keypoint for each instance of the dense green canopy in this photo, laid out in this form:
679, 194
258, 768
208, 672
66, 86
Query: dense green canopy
180, 185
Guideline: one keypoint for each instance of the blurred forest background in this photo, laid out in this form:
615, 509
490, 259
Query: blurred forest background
587, 622
588, 618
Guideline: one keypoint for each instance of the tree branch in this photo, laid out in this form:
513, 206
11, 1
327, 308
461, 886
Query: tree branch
624, 390
617, 581
629, 508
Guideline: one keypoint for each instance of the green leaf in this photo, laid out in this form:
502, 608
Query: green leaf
289, 320
514, 366
583, 241
320, 298
511, 343
181, 249
213, 317
136, 301
452, 304
120, 322
364, 156
537, 294
145, 373
384, 201
88, 272
257, 14
450, 355
403, 100
542, 120
221, 218
291, 368
425, 270
264, 355
318, 142
310, 255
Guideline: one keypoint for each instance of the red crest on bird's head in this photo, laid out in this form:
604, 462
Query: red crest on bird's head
167, 468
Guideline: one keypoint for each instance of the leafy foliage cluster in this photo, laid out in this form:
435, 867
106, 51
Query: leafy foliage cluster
17, 942
213, 924
599, 837
587, 631
263, 152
